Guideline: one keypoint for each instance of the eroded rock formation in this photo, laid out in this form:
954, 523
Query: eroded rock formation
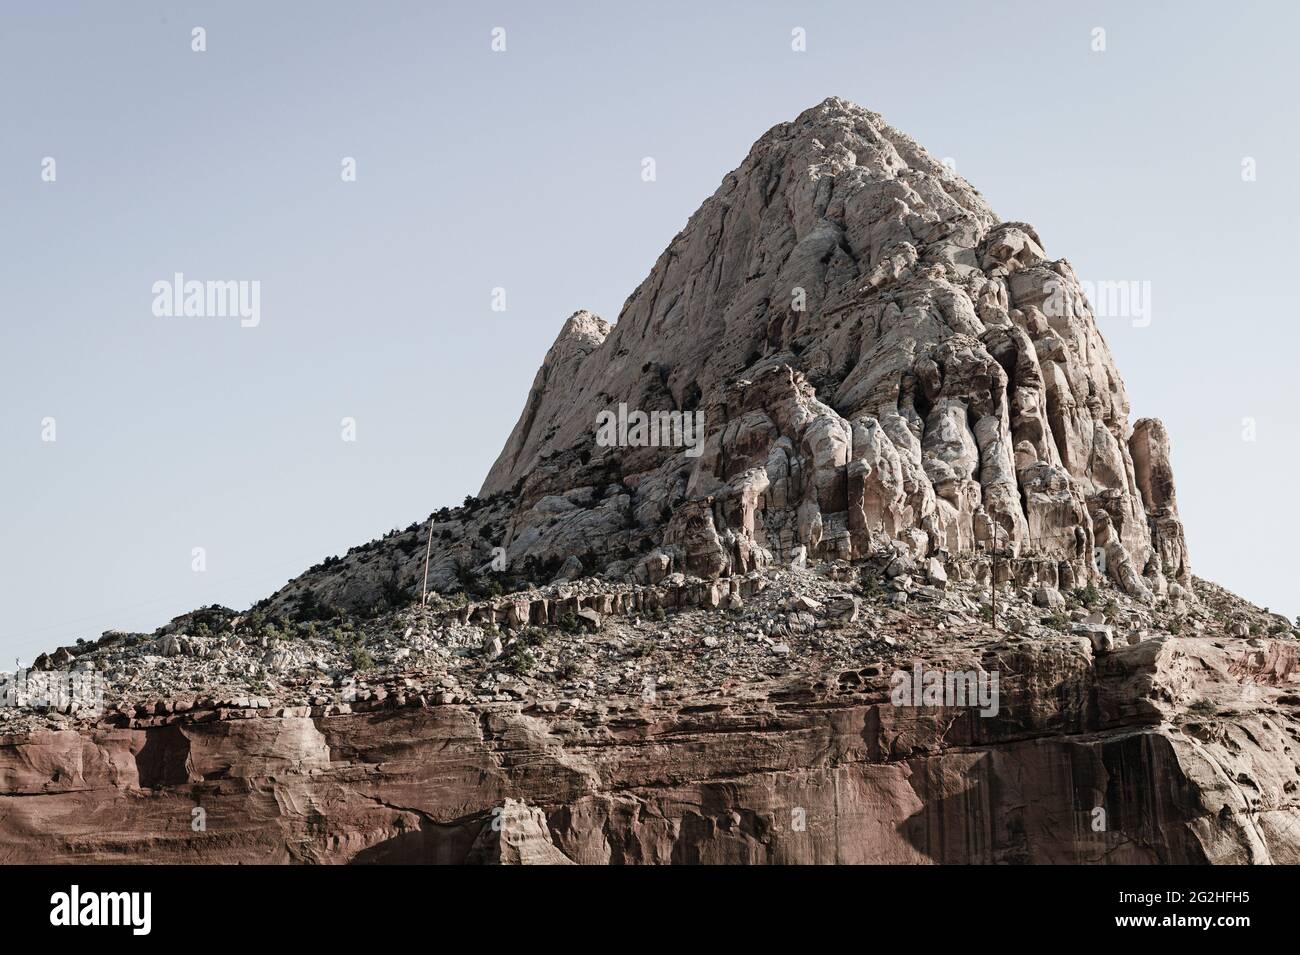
877, 358
880, 363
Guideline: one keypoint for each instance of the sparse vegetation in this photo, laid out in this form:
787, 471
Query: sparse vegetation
519, 660
566, 670
361, 659
395, 594
310, 607
532, 637
873, 588
1085, 596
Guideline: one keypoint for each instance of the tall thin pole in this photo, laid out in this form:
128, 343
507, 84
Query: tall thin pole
993, 577
993, 580
428, 549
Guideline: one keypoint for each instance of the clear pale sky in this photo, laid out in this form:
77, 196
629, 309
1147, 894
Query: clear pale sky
522, 170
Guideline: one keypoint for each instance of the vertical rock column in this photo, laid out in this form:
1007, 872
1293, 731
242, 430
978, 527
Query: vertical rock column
1149, 447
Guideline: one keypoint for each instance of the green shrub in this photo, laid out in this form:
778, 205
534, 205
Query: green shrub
311, 607
1086, 595
531, 637
519, 660
567, 670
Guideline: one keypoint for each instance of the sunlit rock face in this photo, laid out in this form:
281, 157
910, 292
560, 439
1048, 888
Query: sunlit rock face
880, 363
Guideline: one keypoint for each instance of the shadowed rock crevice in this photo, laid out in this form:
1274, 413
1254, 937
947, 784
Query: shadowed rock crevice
164, 759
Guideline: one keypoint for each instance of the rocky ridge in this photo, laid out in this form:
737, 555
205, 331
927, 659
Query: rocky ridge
684, 725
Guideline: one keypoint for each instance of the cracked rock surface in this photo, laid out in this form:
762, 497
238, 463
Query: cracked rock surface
878, 362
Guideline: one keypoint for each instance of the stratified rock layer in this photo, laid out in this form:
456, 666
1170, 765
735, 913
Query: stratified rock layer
1089, 759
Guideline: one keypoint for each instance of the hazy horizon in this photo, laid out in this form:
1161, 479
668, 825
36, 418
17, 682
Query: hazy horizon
521, 170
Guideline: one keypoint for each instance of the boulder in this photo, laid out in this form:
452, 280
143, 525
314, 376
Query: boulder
1099, 635
1048, 597
571, 569
844, 609
516, 834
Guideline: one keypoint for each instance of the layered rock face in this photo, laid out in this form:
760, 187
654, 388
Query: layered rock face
879, 362
1108, 767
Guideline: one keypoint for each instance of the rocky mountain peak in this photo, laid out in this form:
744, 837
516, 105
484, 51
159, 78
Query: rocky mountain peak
812, 201
843, 352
